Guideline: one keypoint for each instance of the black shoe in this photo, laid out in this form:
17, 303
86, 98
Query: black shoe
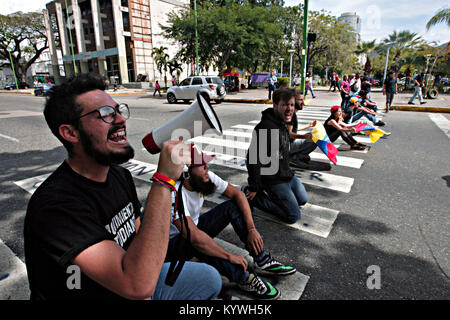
411, 103
299, 164
380, 123
312, 165
357, 147
303, 157
259, 288
423, 102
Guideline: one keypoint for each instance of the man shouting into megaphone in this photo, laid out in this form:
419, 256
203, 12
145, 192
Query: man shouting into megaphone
86, 215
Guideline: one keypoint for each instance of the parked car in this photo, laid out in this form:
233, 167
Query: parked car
21, 85
210, 87
43, 89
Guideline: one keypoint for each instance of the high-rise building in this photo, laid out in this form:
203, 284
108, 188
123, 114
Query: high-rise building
109, 36
354, 21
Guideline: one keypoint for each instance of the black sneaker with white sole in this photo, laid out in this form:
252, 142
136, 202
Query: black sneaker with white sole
259, 288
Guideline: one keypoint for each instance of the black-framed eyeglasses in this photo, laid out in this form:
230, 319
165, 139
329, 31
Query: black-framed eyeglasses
109, 113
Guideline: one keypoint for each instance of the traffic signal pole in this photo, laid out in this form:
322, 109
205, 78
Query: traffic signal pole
196, 38
305, 43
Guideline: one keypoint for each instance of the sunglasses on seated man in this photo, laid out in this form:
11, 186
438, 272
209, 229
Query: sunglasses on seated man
109, 113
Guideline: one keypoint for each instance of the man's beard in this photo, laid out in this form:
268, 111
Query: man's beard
104, 158
198, 185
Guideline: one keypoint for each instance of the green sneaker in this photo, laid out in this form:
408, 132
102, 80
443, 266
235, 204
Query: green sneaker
272, 266
260, 289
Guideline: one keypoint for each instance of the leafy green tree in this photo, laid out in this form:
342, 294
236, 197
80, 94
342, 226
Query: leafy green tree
24, 36
334, 46
232, 35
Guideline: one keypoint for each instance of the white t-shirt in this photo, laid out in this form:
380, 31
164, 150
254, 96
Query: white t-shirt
193, 201
357, 86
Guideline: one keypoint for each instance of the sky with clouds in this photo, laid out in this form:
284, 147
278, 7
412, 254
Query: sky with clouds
379, 17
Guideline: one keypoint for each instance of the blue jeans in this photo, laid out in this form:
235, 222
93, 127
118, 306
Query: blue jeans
359, 114
310, 89
283, 200
417, 92
212, 223
196, 281
272, 87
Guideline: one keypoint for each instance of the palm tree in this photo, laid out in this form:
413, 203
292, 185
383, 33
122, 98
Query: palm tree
399, 42
175, 66
442, 16
161, 60
367, 49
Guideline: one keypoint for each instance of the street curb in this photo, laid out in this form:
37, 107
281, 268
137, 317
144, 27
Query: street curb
398, 108
17, 92
264, 101
421, 109
125, 93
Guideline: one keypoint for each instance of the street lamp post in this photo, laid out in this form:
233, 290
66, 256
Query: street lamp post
281, 60
290, 67
387, 59
305, 39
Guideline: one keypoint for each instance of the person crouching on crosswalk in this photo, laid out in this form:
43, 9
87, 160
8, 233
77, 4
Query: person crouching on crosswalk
336, 127
202, 229
272, 185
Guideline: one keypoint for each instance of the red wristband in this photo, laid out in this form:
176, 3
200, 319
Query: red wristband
162, 177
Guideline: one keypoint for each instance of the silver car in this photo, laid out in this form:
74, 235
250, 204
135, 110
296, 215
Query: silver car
210, 87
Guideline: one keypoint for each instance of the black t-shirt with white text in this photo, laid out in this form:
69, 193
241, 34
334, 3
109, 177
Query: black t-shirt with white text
67, 214
294, 124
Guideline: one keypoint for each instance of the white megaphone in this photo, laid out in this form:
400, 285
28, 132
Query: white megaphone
199, 110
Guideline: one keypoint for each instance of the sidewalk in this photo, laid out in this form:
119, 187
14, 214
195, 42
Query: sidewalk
323, 98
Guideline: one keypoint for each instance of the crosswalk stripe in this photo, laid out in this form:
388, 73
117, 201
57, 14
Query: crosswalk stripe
244, 126
15, 284
314, 219
291, 287
442, 122
314, 178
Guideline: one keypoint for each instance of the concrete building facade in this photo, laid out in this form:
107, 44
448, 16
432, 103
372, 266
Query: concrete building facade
109, 36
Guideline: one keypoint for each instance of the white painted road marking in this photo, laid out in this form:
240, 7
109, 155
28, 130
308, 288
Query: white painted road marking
291, 287
9, 138
15, 284
442, 122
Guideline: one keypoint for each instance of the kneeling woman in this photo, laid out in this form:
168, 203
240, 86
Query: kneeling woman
335, 127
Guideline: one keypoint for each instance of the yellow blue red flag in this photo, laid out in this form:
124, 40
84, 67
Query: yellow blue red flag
372, 132
321, 139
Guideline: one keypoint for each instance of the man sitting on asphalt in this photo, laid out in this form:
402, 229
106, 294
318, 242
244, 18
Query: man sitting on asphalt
86, 215
366, 108
272, 185
302, 144
203, 228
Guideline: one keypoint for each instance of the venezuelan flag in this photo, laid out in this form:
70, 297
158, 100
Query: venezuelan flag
374, 133
320, 137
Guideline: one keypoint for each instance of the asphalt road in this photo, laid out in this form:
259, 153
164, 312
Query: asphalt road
395, 217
